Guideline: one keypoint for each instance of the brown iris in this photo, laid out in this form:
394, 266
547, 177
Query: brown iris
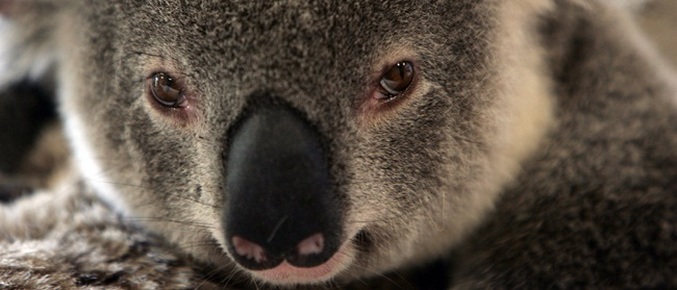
165, 91
397, 79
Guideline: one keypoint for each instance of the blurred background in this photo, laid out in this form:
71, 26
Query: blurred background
659, 19
33, 153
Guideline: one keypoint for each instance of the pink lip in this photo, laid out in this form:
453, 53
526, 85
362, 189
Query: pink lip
288, 274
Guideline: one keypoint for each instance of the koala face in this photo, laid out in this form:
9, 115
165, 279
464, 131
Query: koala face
295, 142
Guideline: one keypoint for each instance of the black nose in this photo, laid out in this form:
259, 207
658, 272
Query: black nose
279, 204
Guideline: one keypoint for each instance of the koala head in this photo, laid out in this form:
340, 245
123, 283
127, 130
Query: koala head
300, 142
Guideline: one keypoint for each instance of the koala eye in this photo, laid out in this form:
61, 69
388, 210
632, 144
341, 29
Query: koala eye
396, 79
165, 91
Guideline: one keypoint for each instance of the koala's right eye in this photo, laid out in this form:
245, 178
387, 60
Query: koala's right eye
166, 92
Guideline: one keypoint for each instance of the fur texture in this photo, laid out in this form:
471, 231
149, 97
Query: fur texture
74, 241
534, 148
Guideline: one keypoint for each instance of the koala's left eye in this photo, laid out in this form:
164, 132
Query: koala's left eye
166, 91
397, 79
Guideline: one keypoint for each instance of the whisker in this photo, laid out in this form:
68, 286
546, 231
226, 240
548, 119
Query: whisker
193, 224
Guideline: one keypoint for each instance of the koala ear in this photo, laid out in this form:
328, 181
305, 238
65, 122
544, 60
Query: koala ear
26, 45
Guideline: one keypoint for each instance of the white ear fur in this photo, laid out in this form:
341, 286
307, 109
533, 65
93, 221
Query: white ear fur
7, 75
23, 52
27, 51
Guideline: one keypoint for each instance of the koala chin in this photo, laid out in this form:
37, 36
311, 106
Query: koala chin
526, 143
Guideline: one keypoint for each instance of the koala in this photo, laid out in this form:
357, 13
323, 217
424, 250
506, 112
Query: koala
514, 144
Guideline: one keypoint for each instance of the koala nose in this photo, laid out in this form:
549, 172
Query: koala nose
279, 204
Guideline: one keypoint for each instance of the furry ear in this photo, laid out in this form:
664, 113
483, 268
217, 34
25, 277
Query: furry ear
26, 44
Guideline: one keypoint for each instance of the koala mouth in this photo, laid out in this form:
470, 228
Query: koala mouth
282, 220
285, 273
297, 267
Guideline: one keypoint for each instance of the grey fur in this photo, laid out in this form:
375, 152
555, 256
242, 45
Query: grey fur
535, 150
74, 241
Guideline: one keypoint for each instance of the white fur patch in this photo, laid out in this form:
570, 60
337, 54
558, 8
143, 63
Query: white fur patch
20, 58
5, 52
85, 157
524, 112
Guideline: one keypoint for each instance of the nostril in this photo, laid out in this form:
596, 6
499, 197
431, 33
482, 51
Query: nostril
249, 250
311, 251
312, 245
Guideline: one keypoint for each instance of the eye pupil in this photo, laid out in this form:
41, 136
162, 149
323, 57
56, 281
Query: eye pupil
165, 91
397, 79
